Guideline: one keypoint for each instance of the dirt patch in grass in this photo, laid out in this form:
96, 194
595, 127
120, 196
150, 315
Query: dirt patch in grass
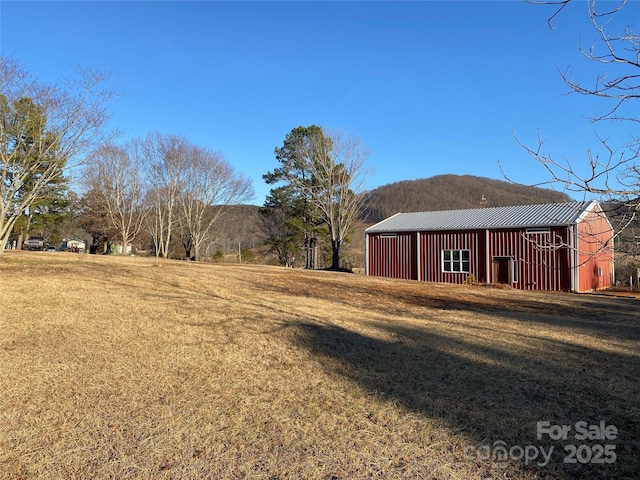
114, 368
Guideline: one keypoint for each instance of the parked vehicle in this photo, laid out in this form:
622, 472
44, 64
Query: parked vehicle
35, 243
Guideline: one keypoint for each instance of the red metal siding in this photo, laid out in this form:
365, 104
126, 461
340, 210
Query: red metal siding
542, 258
595, 252
393, 255
577, 256
433, 243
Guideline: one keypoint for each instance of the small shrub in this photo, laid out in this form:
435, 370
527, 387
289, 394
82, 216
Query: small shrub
471, 279
248, 256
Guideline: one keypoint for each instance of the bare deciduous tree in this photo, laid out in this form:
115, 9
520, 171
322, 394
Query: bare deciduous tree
210, 186
613, 174
617, 50
44, 129
337, 188
165, 156
115, 174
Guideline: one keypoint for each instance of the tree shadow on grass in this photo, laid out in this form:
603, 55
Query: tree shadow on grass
492, 394
600, 315
597, 314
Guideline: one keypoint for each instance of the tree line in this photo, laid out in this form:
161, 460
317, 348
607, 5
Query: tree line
162, 188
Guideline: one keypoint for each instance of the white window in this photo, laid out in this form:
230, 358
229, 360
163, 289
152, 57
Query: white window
455, 261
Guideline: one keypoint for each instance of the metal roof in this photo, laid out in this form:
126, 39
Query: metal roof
518, 216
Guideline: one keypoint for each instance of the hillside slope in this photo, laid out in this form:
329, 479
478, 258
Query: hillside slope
450, 192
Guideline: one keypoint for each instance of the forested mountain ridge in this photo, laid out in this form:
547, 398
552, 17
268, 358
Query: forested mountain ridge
452, 192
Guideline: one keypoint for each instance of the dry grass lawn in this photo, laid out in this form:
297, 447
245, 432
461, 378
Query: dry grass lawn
115, 368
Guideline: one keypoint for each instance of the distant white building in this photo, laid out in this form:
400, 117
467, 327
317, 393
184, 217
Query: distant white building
74, 245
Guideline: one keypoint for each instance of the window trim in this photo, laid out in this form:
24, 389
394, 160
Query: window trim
449, 265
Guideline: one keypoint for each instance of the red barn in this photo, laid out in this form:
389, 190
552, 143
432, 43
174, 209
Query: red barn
558, 246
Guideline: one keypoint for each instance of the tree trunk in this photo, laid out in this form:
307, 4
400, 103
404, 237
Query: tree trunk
93, 248
166, 242
189, 247
125, 236
308, 254
335, 257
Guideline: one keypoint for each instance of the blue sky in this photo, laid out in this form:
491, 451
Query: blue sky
429, 87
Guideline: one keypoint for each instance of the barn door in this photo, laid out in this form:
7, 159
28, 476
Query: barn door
502, 269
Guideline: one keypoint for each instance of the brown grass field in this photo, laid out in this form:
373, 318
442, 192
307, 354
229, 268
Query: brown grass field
117, 368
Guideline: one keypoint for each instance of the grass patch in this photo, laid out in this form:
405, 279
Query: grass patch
112, 368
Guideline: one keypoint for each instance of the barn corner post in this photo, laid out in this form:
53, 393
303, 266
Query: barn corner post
573, 258
418, 255
366, 253
487, 255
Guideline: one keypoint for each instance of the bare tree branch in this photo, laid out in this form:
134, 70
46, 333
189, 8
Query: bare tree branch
613, 175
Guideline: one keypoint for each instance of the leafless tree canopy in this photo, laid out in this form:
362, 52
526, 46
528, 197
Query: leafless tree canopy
208, 180
452, 192
115, 174
336, 184
617, 50
168, 186
164, 157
